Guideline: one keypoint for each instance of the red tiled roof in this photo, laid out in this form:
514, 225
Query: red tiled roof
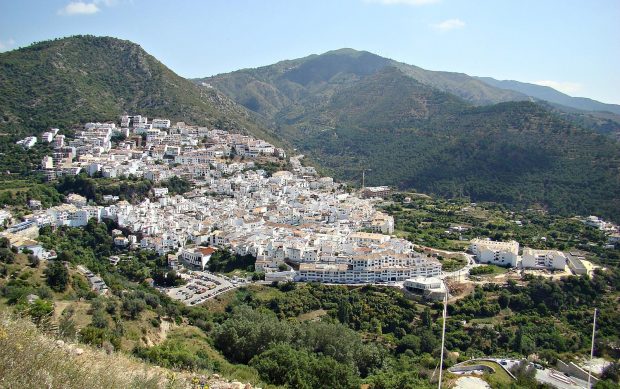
206, 250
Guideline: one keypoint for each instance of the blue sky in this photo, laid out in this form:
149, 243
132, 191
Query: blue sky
572, 45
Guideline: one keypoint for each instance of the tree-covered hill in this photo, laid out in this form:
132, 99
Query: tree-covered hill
351, 110
73, 80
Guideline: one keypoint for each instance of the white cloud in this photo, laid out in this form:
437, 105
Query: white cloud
87, 8
6, 45
79, 8
449, 25
403, 2
107, 3
563, 86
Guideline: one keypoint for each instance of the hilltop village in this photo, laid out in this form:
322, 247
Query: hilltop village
280, 217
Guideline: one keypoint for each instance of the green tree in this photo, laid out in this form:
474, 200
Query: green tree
57, 276
133, 306
427, 320
344, 311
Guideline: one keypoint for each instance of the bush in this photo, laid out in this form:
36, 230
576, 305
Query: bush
133, 307
283, 365
6, 255
33, 261
174, 354
481, 270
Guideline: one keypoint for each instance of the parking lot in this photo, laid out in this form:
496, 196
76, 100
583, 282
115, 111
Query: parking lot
201, 286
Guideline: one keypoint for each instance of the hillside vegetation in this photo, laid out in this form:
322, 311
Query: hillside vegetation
74, 80
351, 110
30, 359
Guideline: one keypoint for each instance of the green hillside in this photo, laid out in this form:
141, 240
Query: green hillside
73, 80
352, 110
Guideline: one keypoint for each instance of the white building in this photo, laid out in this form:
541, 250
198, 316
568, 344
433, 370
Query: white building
431, 287
160, 192
161, 123
68, 215
47, 137
121, 241
59, 141
497, 253
366, 238
28, 142
596, 222
543, 259
198, 256
375, 191
47, 162
370, 269
382, 223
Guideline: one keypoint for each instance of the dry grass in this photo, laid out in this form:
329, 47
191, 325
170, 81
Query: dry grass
29, 359
312, 315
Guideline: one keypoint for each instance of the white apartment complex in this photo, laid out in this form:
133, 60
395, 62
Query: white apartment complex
371, 269
543, 259
495, 252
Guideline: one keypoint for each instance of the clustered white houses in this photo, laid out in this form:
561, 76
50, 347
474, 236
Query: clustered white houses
288, 216
188, 151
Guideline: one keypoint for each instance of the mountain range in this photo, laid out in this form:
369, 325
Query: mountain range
588, 113
347, 110
551, 95
439, 132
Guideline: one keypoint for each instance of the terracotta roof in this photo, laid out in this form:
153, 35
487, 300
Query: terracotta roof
206, 250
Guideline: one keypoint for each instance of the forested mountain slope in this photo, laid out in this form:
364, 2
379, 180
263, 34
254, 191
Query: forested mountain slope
352, 110
83, 78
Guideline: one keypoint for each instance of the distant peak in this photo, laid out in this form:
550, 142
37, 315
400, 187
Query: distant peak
346, 51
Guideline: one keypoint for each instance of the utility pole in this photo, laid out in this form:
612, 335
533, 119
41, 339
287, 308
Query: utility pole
592, 349
443, 333
364, 177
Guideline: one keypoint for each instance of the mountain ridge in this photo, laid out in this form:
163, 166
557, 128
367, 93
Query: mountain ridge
475, 90
83, 78
346, 118
601, 117
552, 95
